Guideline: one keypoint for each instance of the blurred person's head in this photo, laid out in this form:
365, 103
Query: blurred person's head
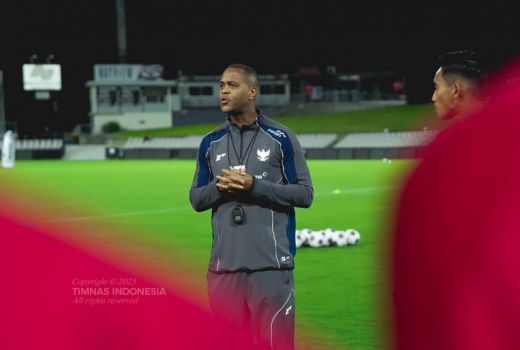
457, 84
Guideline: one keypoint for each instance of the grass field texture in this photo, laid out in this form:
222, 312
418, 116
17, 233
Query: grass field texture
396, 118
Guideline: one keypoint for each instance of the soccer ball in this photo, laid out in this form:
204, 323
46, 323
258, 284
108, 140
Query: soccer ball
330, 236
327, 235
340, 239
316, 239
353, 236
299, 239
304, 236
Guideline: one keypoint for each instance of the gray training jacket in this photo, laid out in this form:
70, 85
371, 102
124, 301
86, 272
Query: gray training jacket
273, 155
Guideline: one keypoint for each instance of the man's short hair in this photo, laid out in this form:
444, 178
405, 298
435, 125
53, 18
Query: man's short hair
250, 72
462, 63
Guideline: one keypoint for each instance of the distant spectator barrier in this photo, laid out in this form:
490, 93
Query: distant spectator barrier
380, 145
39, 149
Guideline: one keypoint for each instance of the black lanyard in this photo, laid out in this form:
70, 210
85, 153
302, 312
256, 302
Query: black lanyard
241, 159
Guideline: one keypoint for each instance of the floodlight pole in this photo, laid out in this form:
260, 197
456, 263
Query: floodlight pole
121, 30
2, 109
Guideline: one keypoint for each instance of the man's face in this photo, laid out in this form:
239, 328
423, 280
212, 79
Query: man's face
443, 96
235, 92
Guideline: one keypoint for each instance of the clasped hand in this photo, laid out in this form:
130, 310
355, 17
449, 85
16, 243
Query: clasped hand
234, 179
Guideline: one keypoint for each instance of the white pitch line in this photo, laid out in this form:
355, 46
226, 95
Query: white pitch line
115, 215
171, 210
355, 190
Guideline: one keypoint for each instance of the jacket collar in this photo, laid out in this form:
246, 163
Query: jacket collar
252, 126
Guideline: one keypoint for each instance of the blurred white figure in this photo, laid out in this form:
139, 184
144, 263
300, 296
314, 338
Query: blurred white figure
8, 150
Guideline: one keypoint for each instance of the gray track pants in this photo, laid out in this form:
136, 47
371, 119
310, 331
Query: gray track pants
262, 302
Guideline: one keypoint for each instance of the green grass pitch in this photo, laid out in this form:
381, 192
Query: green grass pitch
339, 291
395, 118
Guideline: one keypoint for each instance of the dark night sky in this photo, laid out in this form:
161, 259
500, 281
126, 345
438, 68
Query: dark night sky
203, 37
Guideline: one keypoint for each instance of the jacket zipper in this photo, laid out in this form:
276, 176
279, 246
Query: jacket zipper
241, 143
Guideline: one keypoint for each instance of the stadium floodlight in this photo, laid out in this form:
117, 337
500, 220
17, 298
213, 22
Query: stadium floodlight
2, 108
43, 77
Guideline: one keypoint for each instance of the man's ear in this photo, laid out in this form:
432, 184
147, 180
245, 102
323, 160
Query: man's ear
252, 93
456, 89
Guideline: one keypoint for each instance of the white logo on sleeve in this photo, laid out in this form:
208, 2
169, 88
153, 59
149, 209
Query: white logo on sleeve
278, 133
288, 310
263, 154
220, 156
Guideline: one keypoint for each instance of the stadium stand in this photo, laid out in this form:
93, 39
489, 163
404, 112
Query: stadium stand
352, 146
385, 139
39, 144
186, 142
193, 142
84, 152
405, 144
316, 140
380, 145
39, 148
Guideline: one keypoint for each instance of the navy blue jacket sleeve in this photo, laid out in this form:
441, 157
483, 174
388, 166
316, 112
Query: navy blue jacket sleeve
297, 191
204, 193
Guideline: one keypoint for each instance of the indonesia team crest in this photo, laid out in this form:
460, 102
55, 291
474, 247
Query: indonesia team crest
262, 154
